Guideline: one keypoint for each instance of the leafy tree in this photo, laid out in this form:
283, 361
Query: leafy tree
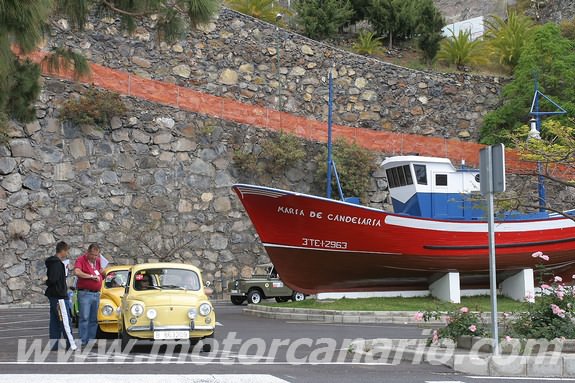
549, 57
321, 19
24, 23
430, 23
461, 50
384, 16
21, 23
396, 19
265, 10
173, 15
24, 91
367, 43
360, 10
507, 37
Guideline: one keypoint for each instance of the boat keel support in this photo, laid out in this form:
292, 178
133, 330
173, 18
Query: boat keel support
447, 288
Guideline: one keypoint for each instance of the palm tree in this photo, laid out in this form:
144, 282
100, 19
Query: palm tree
506, 37
265, 10
461, 50
367, 43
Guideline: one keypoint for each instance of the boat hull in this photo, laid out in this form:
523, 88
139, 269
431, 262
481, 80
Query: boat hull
322, 245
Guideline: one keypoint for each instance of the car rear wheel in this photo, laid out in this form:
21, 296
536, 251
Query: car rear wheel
237, 300
254, 297
282, 299
297, 297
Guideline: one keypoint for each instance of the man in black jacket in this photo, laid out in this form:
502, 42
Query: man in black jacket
57, 293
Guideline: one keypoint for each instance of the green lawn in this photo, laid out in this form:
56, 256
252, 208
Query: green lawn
477, 303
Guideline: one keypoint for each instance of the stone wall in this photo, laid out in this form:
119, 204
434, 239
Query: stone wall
156, 186
236, 57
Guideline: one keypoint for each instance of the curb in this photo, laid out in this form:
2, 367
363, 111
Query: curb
335, 316
544, 365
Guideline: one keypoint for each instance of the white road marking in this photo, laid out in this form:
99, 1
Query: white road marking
27, 320
75, 378
208, 361
523, 378
24, 328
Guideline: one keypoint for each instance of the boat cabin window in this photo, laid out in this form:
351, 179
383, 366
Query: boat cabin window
441, 180
399, 176
420, 174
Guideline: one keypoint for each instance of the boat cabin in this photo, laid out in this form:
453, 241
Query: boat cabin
432, 187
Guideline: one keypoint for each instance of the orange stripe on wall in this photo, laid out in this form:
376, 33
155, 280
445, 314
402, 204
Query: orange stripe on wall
228, 109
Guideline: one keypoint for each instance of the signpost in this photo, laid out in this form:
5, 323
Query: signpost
492, 177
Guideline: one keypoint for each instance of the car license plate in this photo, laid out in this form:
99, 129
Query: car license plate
235, 291
171, 335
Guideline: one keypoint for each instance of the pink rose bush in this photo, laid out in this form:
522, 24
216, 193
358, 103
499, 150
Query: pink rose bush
550, 314
458, 322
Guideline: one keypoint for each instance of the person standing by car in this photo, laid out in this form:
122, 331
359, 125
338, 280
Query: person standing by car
88, 269
57, 293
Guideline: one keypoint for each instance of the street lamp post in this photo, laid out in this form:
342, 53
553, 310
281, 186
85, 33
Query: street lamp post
278, 38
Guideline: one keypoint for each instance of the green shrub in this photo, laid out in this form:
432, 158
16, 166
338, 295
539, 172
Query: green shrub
568, 29
355, 166
321, 19
276, 155
96, 107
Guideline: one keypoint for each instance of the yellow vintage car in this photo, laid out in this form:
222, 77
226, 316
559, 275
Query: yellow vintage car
165, 301
115, 278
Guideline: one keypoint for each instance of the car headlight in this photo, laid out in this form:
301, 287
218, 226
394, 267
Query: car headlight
137, 309
107, 310
236, 283
151, 314
205, 309
192, 313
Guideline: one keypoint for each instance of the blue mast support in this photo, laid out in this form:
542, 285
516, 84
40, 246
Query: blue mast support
537, 115
329, 113
337, 180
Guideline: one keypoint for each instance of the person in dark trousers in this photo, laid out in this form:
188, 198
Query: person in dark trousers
88, 269
57, 293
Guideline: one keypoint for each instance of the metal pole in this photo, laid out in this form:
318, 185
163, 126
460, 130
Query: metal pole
278, 45
492, 264
329, 112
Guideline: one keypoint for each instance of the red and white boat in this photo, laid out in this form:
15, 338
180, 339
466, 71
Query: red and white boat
324, 245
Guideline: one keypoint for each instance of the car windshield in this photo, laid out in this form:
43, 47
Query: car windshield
166, 278
116, 278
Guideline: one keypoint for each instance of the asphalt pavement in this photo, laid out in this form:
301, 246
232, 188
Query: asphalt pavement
245, 348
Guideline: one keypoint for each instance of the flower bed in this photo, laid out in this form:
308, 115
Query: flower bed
547, 320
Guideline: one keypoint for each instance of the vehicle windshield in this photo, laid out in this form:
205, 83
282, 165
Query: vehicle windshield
166, 279
116, 278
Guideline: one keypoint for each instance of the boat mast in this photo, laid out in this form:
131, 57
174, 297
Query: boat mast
536, 134
330, 161
329, 113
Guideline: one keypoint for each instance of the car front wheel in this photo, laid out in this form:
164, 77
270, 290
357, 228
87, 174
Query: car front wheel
297, 297
237, 300
254, 297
